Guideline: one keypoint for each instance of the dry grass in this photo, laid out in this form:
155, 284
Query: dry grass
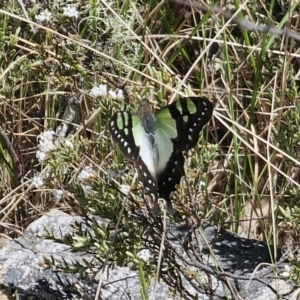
247, 156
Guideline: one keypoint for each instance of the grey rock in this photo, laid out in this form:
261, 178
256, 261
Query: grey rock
22, 266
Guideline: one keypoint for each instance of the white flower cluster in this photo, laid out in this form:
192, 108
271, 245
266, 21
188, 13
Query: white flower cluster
287, 272
84, 178
118, 95
102, 90
68, 144
70, 11
37, 181
46, 145
44, 16
144, 255
57, 194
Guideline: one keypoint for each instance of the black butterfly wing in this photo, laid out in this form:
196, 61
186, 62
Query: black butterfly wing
181, 122
122, 127
170, 177
149, 183
190, 115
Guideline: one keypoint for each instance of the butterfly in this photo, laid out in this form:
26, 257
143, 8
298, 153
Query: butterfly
154, 142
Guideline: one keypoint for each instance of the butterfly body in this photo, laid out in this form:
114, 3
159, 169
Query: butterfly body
155, 141
148, 152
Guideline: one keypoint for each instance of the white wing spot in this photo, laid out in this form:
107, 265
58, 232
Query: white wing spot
140, 167
204, 103
203, 113
119, 135
145, 174
176, 162
147, 188
190, 137
185, 118
112, 123
122, 140
173, 170
195, 124
149, 181
129, 150
116, 132
199, 119
125, 144
190, 129
170, 179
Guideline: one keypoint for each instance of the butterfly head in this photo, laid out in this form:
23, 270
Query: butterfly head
147, 116
144, 106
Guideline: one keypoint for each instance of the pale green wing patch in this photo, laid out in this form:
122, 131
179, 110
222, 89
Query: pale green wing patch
137, 130
166, 132
190, 107
165, 123
164, 147
184, 119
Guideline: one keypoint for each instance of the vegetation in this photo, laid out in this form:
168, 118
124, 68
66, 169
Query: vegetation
244, 173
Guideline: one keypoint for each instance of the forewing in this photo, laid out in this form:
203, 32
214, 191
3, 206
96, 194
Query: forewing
183, 120
121, 129
126, 131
